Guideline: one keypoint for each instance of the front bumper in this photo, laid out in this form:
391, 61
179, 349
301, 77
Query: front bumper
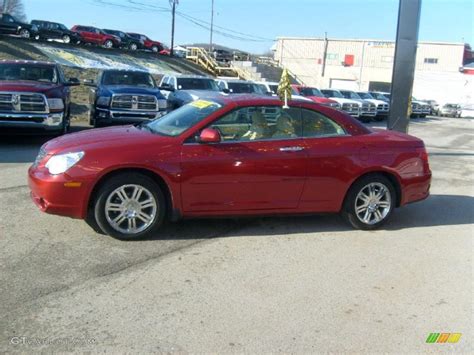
25, 123
51, 195
103, 115
372, 113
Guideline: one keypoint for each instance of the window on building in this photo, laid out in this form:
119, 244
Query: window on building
387, 59
332, 56
431, 60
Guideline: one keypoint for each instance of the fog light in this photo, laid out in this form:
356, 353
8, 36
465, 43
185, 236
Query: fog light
54, 119
103, 114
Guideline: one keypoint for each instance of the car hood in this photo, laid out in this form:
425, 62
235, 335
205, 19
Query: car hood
321, 100
345, 101
26, 86
376, 102
126, 89
103, 138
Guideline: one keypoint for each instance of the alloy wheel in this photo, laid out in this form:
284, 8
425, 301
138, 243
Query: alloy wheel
131, 209
373, 203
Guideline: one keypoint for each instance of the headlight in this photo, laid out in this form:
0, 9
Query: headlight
162, 104
60, 163
56, 104
103, 101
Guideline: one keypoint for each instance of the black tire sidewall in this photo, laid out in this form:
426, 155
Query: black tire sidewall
349, 204
124, 179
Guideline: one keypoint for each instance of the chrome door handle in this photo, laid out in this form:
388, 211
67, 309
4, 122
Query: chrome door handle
291, 149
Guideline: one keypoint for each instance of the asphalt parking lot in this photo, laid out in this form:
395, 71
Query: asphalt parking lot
293, 284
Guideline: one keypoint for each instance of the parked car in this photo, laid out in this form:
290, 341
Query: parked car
34, 97
316, 95
9, 25
182, 89
382, 106
450, 110
351, 107
379, 96
126, 41
148, 43
93, 35
54, 30
433, 105
367, 109
124, 96
235, 86
416, 107
221, 55
221, 157
425, 108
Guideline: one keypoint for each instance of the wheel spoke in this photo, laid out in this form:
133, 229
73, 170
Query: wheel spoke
361, 208
367, 216
364, 197
381, 193
137, 192
114, 207
378, 215
144, 217
384, 204
119, 219
122, 194
132, 224
147, 204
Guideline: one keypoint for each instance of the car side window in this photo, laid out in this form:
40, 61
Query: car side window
259, 123
315, 124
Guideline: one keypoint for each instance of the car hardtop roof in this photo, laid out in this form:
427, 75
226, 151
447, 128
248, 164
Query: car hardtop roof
125, 71
190, 76
238, 81
40, 62
248, 99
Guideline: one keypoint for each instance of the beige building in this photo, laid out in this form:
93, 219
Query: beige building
367, 65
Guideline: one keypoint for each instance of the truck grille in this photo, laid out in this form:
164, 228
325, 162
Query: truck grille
22, 102
350, 107
135, 102
382, 107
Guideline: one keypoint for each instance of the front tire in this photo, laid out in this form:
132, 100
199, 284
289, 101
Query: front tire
133, 47
154, 49
25, 33
66, 39
130, 206
370, 202
108, 44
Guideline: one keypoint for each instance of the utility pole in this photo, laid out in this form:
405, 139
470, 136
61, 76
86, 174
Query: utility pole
404, 64
212, 26
173, 4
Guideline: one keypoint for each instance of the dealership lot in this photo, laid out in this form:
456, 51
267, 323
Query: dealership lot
295, 284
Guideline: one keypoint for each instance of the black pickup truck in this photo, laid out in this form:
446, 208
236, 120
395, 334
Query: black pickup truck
9, 25
123, 97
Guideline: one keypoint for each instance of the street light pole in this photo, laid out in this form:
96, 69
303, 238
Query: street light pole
212, 26
173, 12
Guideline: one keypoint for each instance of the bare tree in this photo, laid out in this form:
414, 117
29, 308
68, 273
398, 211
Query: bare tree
13, 7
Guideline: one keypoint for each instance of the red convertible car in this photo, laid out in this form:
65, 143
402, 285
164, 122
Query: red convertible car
230, 156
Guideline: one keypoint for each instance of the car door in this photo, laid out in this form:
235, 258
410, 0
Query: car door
332, 158
7, 24
54, 31
255, 167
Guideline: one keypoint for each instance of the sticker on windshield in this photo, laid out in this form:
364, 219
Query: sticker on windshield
200, 104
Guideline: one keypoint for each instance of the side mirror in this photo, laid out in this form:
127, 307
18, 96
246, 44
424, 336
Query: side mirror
166, 87
73, 82
209, 135
88, 82
225, 91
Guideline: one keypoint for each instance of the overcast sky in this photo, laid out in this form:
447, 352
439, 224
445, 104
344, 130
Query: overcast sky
258, 22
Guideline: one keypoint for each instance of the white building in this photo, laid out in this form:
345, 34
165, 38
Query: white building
367, 65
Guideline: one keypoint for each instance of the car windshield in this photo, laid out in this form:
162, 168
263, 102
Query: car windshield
333, 93
311, 92
243, 88
350, 95
365, 96
18, 71
128, 78
378, 96
197, 84
180, 120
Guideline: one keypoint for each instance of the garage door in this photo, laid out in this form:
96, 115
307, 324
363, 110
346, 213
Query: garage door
344, 84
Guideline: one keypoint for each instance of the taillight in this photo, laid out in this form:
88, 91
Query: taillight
423, 154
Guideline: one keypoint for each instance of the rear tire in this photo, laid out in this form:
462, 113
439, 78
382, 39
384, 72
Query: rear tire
369, 202
154, 49
66, 39
130, 206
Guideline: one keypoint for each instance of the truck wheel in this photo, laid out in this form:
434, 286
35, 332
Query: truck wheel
25, 33
66, 39
133, 47
108, 44
130, 206
369, 202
